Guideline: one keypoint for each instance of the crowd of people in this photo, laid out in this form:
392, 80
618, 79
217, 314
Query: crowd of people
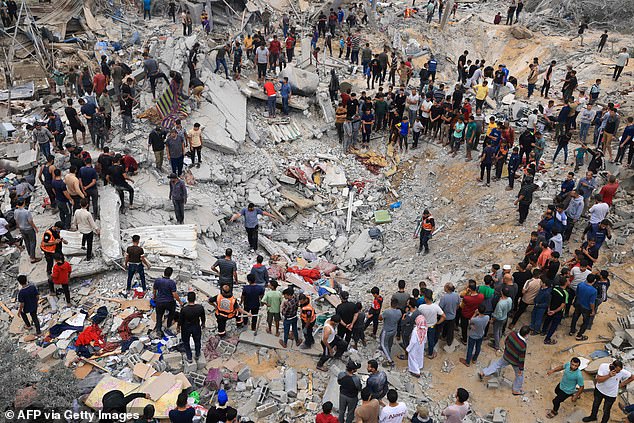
547, 280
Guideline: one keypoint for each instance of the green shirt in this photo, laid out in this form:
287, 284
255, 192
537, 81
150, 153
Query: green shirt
570, 380
274, 300
487, 291
380, 107
471, 129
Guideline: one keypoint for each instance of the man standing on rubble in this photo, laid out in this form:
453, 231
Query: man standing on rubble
191, 323
63, 199
156, 140
251, 219
134, 261
226, 308
118, 177
226, 269
42, 138
178, 195
165, 296
428, 225
175, 151
51, 245
152, 72
24, 221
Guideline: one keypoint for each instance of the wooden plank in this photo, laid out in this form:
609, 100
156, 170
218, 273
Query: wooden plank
349, 216
5, 308
159, 386
296, 198
81, 372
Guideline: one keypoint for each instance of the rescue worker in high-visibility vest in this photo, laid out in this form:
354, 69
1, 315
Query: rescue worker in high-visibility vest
52, 244
428, 225
227, 307
308, 316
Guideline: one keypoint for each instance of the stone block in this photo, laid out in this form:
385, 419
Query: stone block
265, 410
499, 415
47, 352
244, 374
136, 347
133, 360
190, 367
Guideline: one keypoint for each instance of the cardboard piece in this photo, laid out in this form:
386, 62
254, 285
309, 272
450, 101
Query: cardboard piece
159, 386
143, 371
82, 371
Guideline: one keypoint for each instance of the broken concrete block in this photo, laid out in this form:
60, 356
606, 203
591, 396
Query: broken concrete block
244, 374
136, 346
302, 82
317, 245
266, 410
133, 360
47, 352
290, 382
499, 415
332, 393
360, 247
190, 367
173, 360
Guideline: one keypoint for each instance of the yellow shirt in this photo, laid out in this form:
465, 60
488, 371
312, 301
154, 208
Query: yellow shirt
248, 43
481, 91
491, 127
195, 137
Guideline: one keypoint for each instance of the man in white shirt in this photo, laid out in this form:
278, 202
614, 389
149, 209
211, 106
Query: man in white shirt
86, 226
262, 60
579, 274
621, 62
425, 107
412, 105
432, 312
395, 411
610, 377
599, 211
456, 412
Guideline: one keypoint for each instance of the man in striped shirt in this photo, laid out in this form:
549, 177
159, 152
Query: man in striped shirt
514, 356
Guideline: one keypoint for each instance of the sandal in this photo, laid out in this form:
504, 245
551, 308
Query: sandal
518, 393
550, 342
581, 338
551, 414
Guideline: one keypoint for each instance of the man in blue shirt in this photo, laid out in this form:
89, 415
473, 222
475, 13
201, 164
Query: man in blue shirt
147, 6
165, 297
432, 65
88, 181
584, 306
571, 379
251, 296
251, 214
28, 298
285, 92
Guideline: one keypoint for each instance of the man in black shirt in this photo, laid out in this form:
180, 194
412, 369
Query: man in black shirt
348, 312
352, 107
191, 323
520, 278
525, 198
119, 178
104, 161
349, 388
498, 83
156, 139
74, 122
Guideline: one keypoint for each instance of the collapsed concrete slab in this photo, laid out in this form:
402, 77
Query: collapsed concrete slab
223, 116
110, 231
302, 82
169, 240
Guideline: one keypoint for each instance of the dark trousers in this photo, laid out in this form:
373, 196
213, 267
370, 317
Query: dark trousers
571, 300
36, 321
51, 193
153, 79
570, 225
607, 405
560, 397
197, 151
550, 324
288, 325
425, 236
93, 194
190, 331
161, 308
307, 330
617, 72
49, 263
523, 209
29, 237
76, 205
446, 330
545, 88
129, 189
177, 165
485, 166
179, 210
64, 213
86, 241
337, 343
343, 332
254, 318
512, 176
580, 311
374, 321
252, 236
473, 349
464, 325
520, 310
132, 269
65, 288
339, 127
525, 152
